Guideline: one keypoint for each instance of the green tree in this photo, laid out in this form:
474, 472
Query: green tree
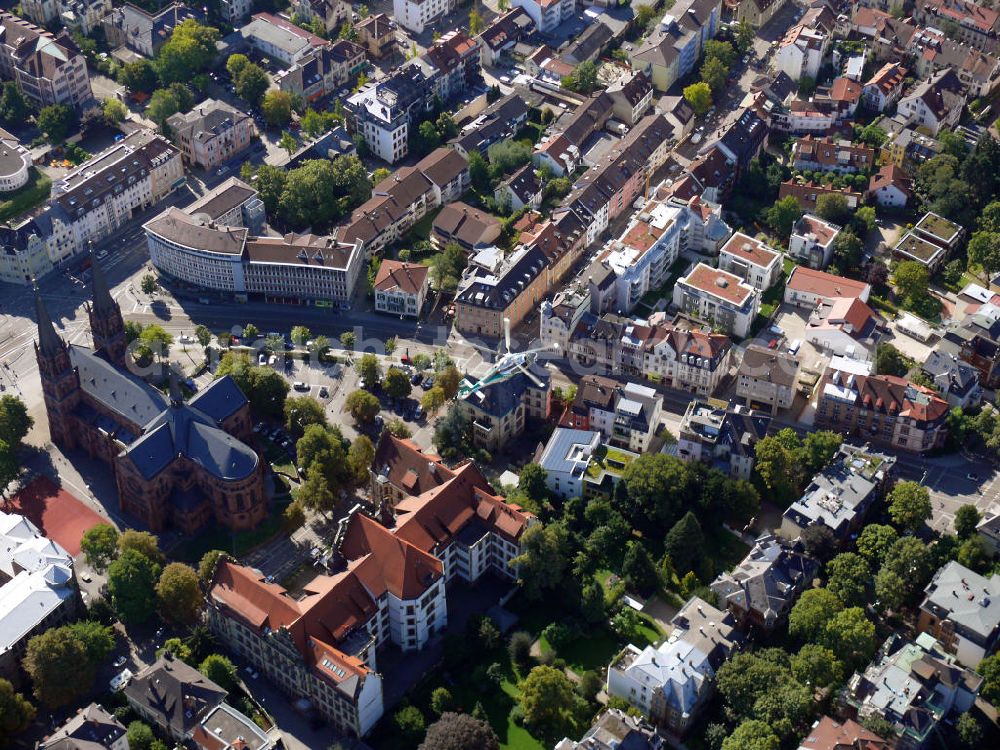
251, 84
970, 732
973, 555
912, 280
904, 573
715, 73
302, 411
208, 563
300, 335
584, 78
817, 666
178, 593
479, 172
410, 724
99, 545
140, 736
203, 335
16, 711
362, 406
543, 560
721, 51
369, 369
848, 249
874, 543
699, 96
235, 65
148, 283
909, 505
432, 401
276, 106
685, 542
811, 613
655, 486
779, 462
264, 388
55, 121
221, 671
114, 111
744, 36
781, 217
142, 542
848, 575
162, 104
397, 383
398, 428
10, 467
14, 107
818, 450
441, 700
548, 699
532, 482
507, 156
639, 570
131, 584
890, 361
188, 51
315, 492
989, 670
360, 457
592, 603
50, 658
967, 518
852, 635
752, 735
138, 76
983, 249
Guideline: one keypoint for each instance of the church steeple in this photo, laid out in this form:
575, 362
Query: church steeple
49, 343
104, 303
107, 326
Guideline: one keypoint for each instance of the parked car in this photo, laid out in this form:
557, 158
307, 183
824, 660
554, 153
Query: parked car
86, 577
428, 383
323, 392
120, 680
300, 386
417, 377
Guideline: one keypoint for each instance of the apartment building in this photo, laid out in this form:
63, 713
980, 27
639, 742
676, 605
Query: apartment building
24, 253
235, 12
144, 32
211, 133
397, 203
829, 155
810, 288
884, 88
502, 35
173, 696
82, 16
216, 244
500, 412
401, 288
931, 241
767, 378
37, 589
626, 414
752, 260
81, 730
448, 172
47, 69
279, 39
807, 193
671, 683
905, 686
812, 241
15, 163
470, 228
498, 122
755, 12
671, 51
401, 469
578, 463
523, 189
324, 646
935, 104
101, 195
687, 359
330, 13
417, 15
510, 289
883, 409
969, 22
547, 14
377, 34
827, 734
721, 299
722, 436
383, 112
323, 71
615, 729
961, 610
841, 494
957, 382
559, 317
801, 52
632, 96
763, 588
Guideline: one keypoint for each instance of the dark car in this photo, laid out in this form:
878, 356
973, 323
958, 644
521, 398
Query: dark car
428, 383
417, 377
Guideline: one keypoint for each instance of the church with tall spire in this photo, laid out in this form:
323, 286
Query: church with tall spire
181, 464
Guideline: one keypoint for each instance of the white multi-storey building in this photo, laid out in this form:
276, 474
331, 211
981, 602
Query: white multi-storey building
416, 15
547, 14
720, 298
752, 260
103, 193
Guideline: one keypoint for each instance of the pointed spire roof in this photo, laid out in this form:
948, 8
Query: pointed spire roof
49, 341
103, 301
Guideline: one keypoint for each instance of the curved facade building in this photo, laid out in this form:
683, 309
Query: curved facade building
217, 244
15, 162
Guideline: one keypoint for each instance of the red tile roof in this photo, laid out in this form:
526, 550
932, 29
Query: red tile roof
724, 285
829, 735
824, 284
384, 561
407, 277
750, 249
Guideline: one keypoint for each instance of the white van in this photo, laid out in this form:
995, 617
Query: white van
793, 348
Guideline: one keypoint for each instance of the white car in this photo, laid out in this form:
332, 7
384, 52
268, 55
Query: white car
504, 79
120, 680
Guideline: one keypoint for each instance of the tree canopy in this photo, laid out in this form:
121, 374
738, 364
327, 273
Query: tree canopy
131, 582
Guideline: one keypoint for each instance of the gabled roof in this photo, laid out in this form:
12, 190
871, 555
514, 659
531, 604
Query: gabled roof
178, 695
405, 466
824, 284
408, 278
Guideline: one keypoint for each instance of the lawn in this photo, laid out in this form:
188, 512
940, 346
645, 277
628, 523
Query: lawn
422, 229
277, 457
33, 194
239, 543
608, 459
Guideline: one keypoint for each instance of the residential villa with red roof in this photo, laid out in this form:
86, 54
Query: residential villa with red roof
881, 409
809, 287
827, 734
401, 288
812, 241
754, 261
388, 586
847, 327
